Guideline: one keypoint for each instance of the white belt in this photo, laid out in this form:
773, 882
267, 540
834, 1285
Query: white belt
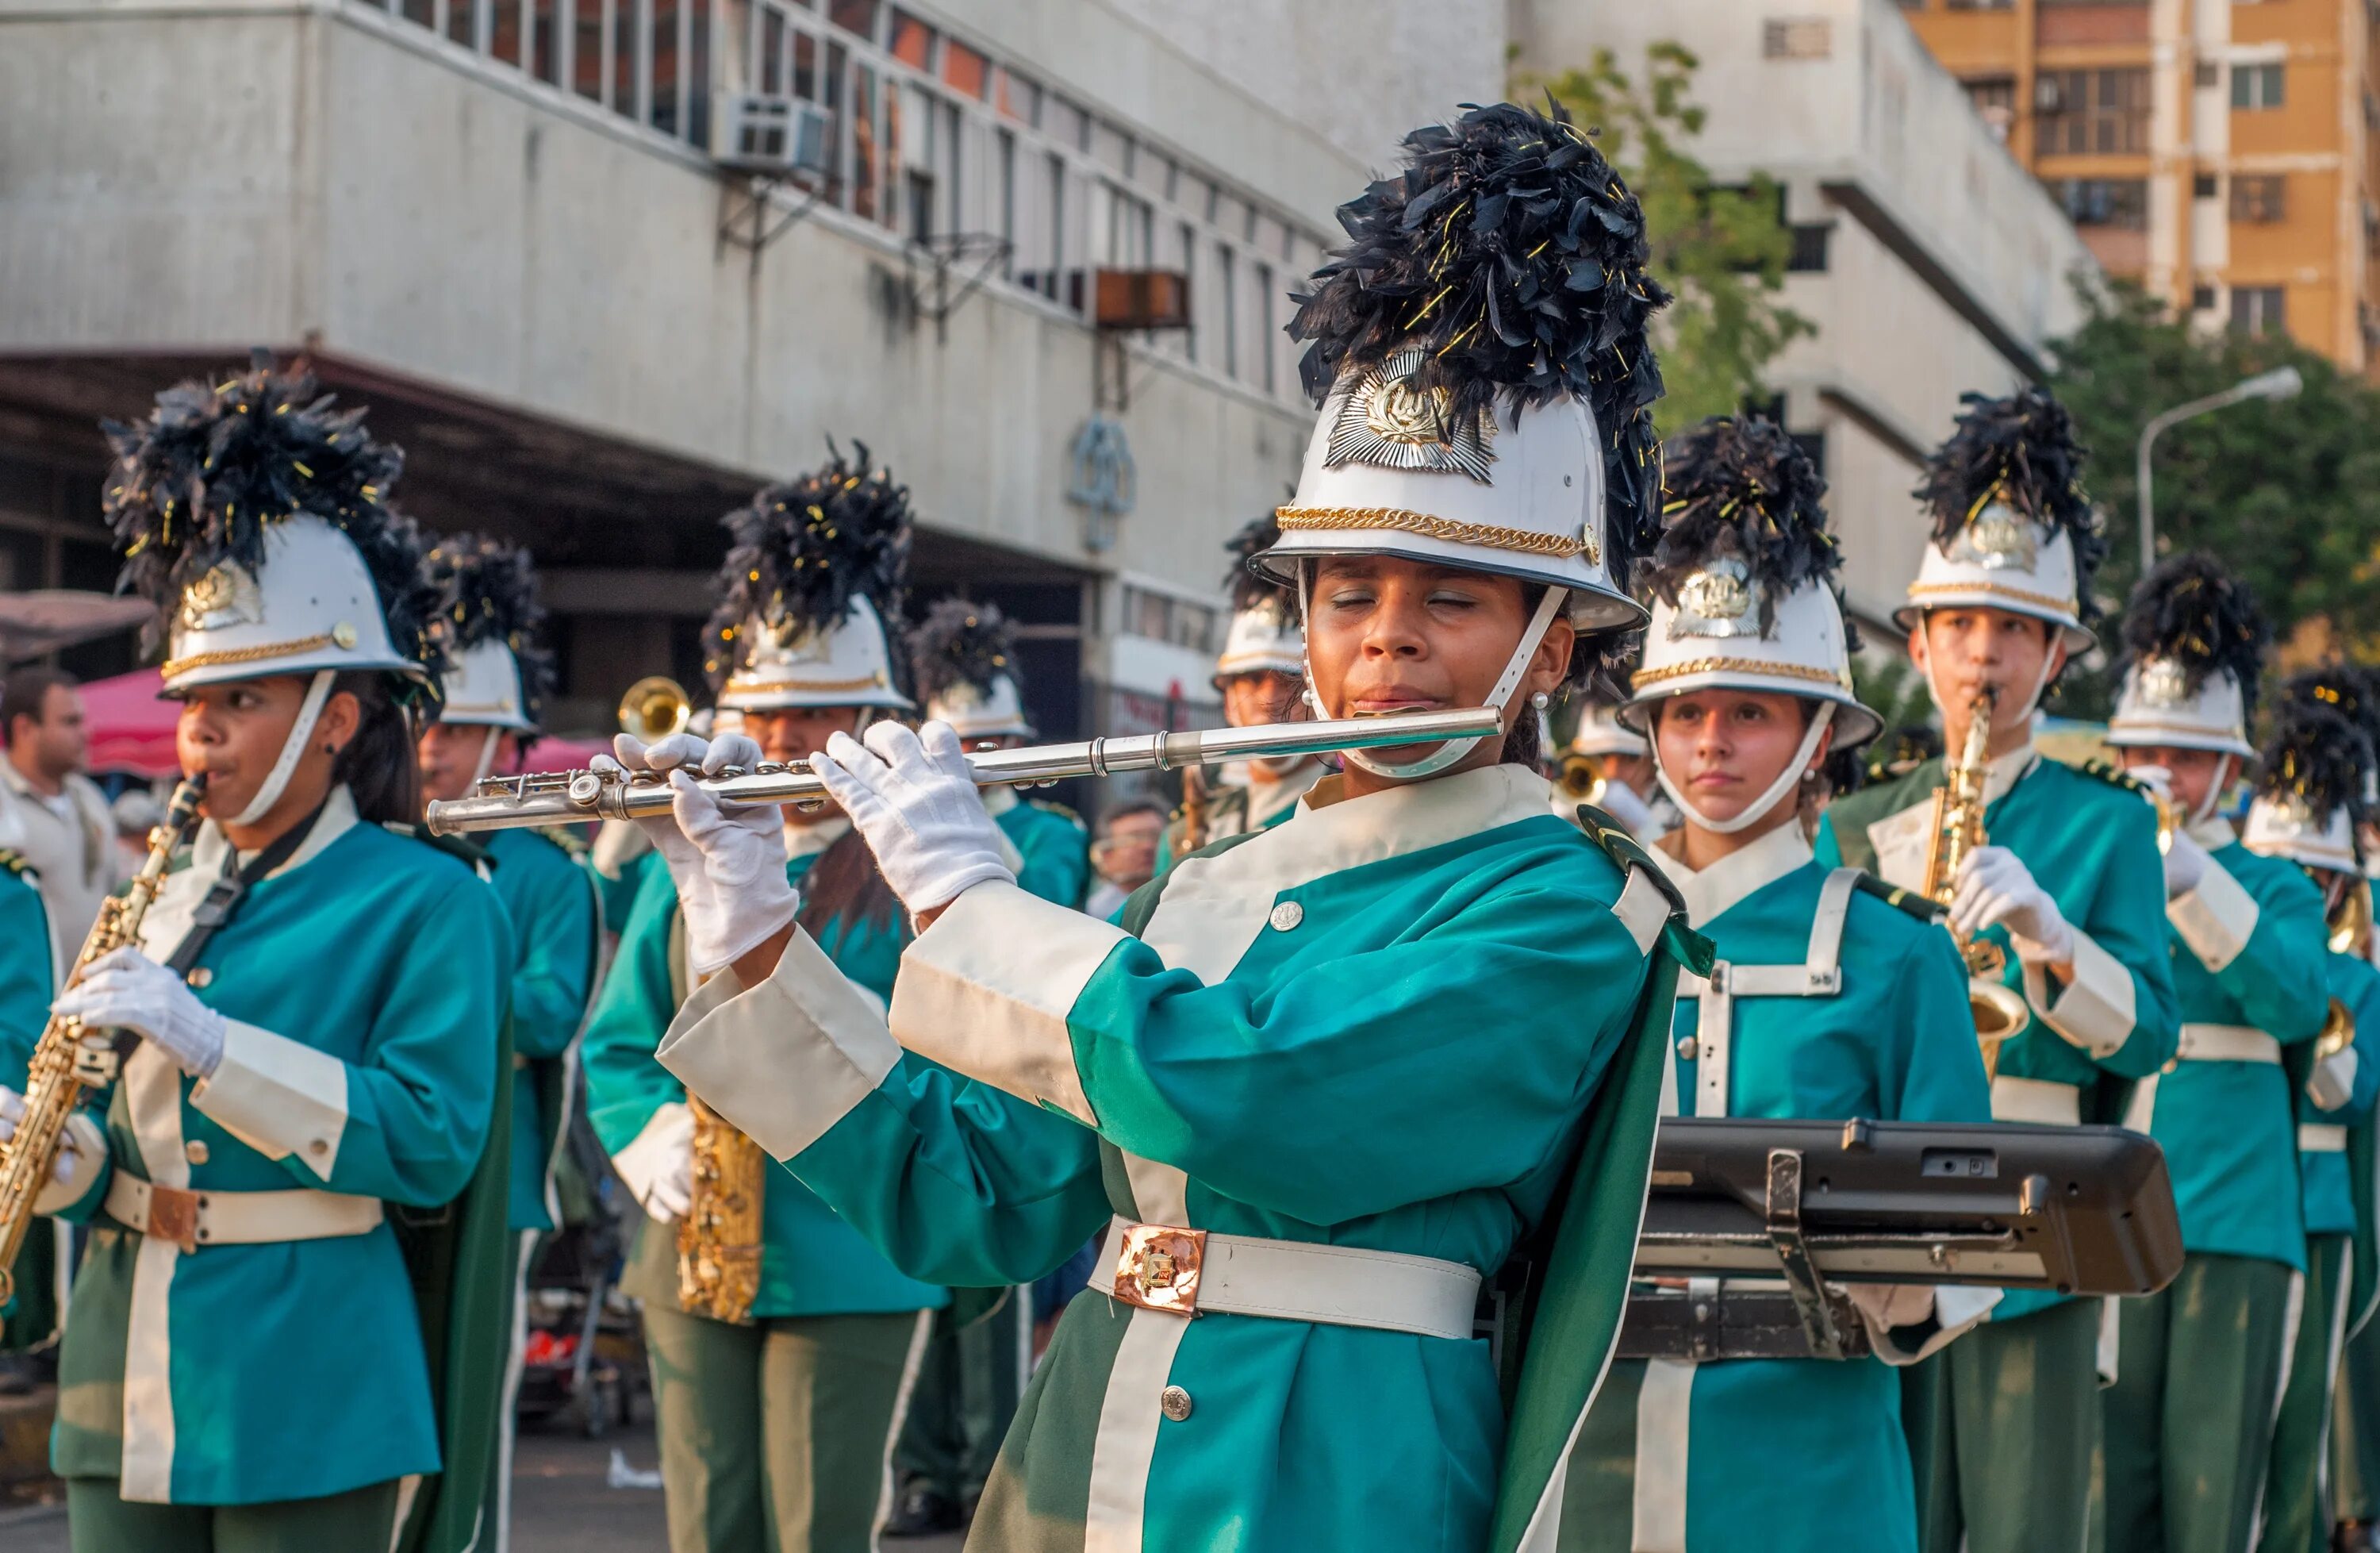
2042, 1101
2227, 1043
195, 1218
2321, 1137
1194, 1272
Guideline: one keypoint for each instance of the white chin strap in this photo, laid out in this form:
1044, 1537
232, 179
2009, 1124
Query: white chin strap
1757, 809
276, 781
1454, 749
487, 755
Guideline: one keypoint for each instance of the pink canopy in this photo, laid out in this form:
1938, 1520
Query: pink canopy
132, 729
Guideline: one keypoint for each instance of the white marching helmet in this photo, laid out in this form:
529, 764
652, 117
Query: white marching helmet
1600, 733
1711, 639
962, 659
782, 664
2157, 707
1263, 639
2196, 641
2002, 560
310, 605
2284, 827
995, 712
484, 689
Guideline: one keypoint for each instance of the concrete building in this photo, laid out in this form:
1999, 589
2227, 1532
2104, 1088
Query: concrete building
1930, 260
2221, 152
505, 226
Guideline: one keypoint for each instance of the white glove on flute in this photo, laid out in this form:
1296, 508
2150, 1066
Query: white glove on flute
123, 989
912, 798
69, 1171
1994, 885
727, 861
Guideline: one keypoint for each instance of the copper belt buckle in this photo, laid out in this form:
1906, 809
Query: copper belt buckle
1158, 1268
173, 1215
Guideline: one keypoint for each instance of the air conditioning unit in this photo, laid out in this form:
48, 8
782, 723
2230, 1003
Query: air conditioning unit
783, 136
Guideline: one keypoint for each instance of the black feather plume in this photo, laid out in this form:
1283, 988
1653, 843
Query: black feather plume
1512, 254
962, 643
2190, 612
199, 482
2318, 756
2347, 689
2020, 450
1743, 489
802, 551
488, 593
1249, 587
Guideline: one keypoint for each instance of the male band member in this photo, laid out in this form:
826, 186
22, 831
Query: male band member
495, 695
2202, 1361
2004, 1424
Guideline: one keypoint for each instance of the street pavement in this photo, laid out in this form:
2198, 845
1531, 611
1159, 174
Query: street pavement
560, 1503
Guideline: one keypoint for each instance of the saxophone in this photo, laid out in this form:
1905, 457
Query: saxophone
69, 1060
1958, 830
719, 1239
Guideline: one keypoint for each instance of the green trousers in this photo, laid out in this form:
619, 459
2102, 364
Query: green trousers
99, 1521
975, 1370
2002, 1426
30, 1316
2298, 1512
777, 1437
2355, 1429
2200, 1366
496, 1508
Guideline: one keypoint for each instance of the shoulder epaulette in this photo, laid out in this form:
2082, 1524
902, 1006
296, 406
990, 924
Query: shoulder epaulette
1626, 853
2114, 775
1922, 907
19, 864
1049, 806
468, 852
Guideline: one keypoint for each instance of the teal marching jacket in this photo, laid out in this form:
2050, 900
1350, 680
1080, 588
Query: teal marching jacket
1055, 851
356, 1083
550, 901
2354, 1080
1829, 1001
2089, 837
811, 1261
2248, 946
25, 984
1376, 1032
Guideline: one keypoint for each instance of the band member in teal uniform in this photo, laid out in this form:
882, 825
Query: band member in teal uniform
1259, 675
1323, 1077
1612, 767
2247, 943
496, 688
965, 665
2310, 807
28, 1318
320, 1002
2354, 1486
2004, 1425
1835, 995
778, 1402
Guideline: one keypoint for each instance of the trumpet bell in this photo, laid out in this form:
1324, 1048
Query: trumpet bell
2338, 1031
2350, 920
1582, 779
655, 707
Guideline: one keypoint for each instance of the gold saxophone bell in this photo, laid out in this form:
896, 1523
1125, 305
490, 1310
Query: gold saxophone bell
655, 707
2338, 1031
2350, 921
1582, 779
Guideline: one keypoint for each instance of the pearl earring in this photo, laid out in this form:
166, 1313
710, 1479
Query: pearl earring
1541, 701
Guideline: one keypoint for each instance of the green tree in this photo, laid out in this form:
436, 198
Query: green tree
2286, 493
1722, 250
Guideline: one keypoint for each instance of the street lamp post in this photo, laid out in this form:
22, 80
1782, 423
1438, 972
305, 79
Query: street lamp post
2281, 383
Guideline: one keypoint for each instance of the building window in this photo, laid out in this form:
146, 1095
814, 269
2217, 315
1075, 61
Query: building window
2088, 112
2209, 75
1809, 255
2204, 186
1797, 38
2202, 298
1227, 293
2118, 202
1981, 5
2257, 86
2259, 199
1161, 617
2258, 310
1994, 99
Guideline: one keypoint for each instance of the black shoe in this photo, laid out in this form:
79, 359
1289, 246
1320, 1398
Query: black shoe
922, 1511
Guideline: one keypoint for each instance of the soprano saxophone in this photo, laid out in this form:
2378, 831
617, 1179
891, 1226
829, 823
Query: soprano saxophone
1958, 830
70, 1060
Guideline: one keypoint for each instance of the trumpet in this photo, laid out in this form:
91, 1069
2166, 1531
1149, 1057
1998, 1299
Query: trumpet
568, 797
1583, 780
655, 707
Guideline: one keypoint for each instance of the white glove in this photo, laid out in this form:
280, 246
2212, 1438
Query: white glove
1994, 885
916, 806
2185, 860
1888, 1305
123, 989
1619, 802
658, 1166
68, 1169
727, 861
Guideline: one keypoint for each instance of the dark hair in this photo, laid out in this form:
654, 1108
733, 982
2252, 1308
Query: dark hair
1123, 808
844, 886
378, 765
25, 692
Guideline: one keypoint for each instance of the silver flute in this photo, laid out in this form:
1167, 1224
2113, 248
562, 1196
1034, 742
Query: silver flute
563, 797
